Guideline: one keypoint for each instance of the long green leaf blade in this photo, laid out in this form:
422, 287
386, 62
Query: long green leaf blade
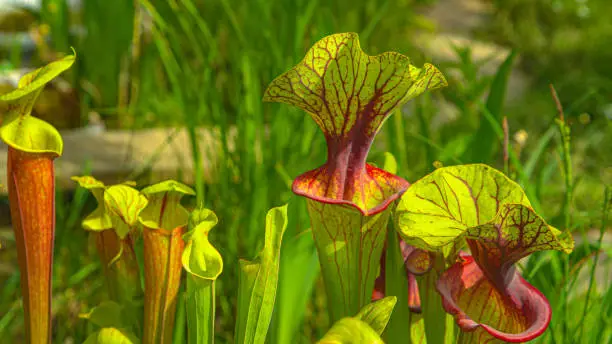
258, 282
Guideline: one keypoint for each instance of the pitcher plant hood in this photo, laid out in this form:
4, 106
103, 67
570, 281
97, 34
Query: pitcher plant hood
350, 94
480, 206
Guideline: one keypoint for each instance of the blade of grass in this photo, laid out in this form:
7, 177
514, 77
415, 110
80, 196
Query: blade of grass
602, 229
483, 141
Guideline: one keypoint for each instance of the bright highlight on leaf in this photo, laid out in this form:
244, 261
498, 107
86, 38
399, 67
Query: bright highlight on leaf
111, 335
351, 331
440, 207
349, 94
378, 313
200, 259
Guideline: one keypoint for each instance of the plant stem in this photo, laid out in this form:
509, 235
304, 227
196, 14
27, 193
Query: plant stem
31, 190
120, 267
200, 301
350, 246
179, 326
439, 325
162, 250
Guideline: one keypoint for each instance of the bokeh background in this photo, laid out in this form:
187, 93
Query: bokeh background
173, 89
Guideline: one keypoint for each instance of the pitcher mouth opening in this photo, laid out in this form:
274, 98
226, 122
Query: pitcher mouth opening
372, 192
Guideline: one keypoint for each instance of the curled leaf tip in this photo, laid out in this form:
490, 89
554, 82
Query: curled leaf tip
168, 186
38, 78
88, 182
124, 204
518, 314
201, 220
516, 232
378, 313
484, 291
349, 94
22, 131
200, 258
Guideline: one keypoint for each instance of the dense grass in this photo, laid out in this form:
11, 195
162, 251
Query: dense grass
207, 64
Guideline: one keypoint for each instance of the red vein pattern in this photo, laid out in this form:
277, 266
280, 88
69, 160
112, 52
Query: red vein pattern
516, 232
349, 94
517, 314
350, 247
484, 291
441, 206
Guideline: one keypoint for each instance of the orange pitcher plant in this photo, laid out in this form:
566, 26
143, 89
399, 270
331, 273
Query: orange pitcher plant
33, 146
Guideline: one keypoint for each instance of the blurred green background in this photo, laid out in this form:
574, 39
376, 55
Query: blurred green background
194, 64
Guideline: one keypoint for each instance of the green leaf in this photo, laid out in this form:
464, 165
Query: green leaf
111, 335
203, 264
377, 314
396, 283
351, 331
37, 79
106, 314
22, 131
365, 327
297, 277
258, 282
390, 163
124, 204
99, 219
164, 210
436, 210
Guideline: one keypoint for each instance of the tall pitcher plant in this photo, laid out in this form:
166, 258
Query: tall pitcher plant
349, 94
33, 146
